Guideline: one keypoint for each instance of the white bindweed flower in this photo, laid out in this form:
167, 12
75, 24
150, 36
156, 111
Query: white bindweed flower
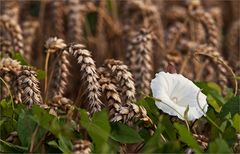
177, 94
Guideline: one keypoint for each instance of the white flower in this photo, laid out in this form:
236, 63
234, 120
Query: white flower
177, 93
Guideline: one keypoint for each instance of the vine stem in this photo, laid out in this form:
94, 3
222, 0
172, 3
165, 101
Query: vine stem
208, 118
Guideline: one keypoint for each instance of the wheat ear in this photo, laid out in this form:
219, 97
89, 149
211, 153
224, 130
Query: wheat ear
74, 21
115, 72
28, 85
57, 12
88, 70
208, 22
233, 47
61, 71
11, 8
222, 65
5, 46
81, 147
121, 74
110, 90
29, 31
11, 27
141, 67
9, 69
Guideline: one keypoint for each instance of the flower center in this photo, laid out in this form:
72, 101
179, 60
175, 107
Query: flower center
174, 99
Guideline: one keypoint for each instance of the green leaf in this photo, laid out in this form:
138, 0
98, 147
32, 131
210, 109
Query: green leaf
6, 108
98, 128
152, 110
53, 144
41, 74
155, 142
186, 137
211, 88
25, 128
213, 103
42, 117
170, 130
219, 146
65, 144
236, 122
17, 56
2, 121
125, 134
232, 107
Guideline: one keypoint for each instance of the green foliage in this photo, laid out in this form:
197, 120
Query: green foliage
37, 128
219, 146
186, 137
98, 129
17, 56
124, 134
41, 74
231, 107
